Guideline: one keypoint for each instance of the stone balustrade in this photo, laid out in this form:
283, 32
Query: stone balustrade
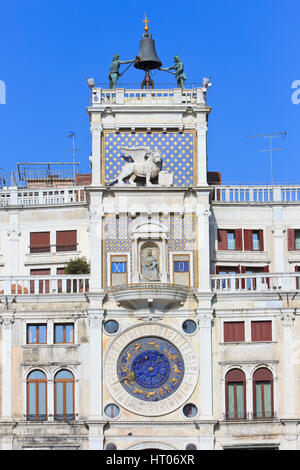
14, 196
126, 97
257, 194
41, 285
258, 282
145, 293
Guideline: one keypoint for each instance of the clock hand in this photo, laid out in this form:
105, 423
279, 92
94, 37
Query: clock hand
130, 376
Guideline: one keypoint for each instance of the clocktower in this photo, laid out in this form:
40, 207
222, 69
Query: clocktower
150, 298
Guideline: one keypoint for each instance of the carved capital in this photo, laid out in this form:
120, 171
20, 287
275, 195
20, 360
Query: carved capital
96, 214
287, 317
203, 212
7, 321
96, 128
95, 318
205, 318
278, 231
13, 233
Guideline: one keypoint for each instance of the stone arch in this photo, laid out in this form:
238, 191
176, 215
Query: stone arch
151, 445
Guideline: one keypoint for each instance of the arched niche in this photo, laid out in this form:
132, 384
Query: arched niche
150, 261
147, 235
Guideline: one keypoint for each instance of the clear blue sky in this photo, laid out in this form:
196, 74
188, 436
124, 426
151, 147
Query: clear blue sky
250, 48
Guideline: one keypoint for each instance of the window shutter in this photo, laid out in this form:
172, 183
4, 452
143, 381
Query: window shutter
291, 239
238, 239
234, 331
222, 239
243, 271
39, 242
261, 240
248, 240
261, 331
66, 240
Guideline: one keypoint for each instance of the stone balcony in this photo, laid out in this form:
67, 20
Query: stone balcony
150, 295
44, 285
256, 283
161, 97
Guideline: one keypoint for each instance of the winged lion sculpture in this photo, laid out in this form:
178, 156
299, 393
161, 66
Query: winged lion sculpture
139, 167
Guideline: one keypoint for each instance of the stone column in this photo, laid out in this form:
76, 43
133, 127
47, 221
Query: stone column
164, 268
13, 234
205, 317
96, 436
7, 321
96, 219
203, 249
288, 383
96, 131
279, 250
95, 365
201, 130
135, 253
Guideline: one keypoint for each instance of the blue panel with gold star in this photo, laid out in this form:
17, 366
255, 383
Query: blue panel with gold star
177, 151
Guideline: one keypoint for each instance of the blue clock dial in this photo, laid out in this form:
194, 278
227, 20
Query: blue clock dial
150, 368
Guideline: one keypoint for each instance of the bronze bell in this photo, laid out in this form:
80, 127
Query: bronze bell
147, 55
148, 59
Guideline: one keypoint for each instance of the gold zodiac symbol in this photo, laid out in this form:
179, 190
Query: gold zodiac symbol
175, 369
137, 347
128, 356
138, 390
174, 380
150, 394
170, 355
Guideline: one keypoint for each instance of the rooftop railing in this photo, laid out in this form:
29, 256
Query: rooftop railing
127, 97
37, 197
258, 194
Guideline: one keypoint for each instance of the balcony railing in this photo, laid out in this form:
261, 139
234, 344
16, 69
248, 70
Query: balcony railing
38, 197
56, 417
126, 97
158, 292
34, 285
36, 417
249, 416
257, 194
258, 282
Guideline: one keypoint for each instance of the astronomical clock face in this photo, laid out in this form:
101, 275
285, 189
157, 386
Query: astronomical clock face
151, 369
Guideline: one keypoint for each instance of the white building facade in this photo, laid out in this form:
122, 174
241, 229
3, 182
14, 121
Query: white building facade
184, 335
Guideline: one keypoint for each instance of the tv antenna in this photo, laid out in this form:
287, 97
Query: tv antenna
72, 135
270, 149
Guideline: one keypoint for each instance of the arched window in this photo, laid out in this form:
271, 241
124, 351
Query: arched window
64, 395
263, 406
36, 396
235, 394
